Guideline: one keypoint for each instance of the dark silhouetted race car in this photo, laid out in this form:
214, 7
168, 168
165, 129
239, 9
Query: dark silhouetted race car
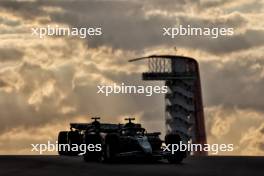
126, 141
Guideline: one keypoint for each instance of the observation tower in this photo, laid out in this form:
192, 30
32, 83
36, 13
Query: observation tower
184, 113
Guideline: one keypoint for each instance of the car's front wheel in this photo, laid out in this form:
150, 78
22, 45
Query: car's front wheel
178, 155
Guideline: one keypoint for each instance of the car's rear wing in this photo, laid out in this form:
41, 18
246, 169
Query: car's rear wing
104, 127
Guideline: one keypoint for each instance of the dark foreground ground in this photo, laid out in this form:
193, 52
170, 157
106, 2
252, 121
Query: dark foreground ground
75, 166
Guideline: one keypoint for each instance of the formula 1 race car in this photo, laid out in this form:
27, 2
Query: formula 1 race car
128, 140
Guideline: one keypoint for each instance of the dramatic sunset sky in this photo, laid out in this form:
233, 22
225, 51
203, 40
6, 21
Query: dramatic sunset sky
47, 83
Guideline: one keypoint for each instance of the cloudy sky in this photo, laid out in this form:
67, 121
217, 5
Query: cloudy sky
47, 83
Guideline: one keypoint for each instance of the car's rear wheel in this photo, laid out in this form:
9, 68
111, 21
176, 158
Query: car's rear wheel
74, 140
92, 155
62, 140
178, 155
110, 149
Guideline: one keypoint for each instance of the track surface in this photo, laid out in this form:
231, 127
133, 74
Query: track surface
75, 166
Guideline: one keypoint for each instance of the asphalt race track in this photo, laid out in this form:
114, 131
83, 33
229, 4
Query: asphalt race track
75, 166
